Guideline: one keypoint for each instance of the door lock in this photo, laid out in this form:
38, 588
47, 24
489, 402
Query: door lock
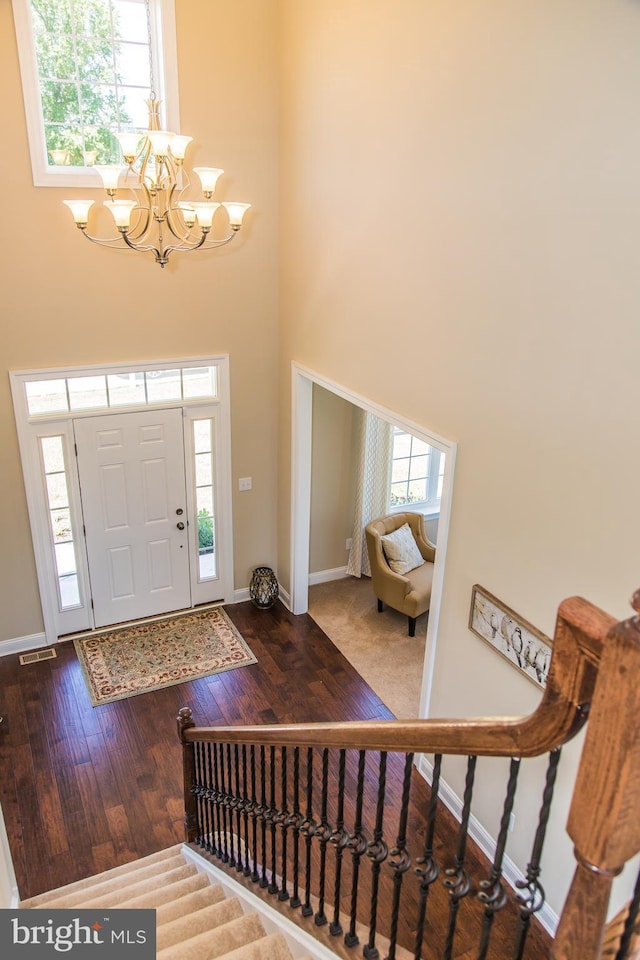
180, 525
179, 511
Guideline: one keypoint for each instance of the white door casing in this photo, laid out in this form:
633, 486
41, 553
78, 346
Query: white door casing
61, 617
132, 482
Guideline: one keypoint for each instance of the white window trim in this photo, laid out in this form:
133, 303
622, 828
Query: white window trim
430, 507
44, 175
30, 429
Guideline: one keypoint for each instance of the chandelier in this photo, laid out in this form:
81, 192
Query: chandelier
160, 218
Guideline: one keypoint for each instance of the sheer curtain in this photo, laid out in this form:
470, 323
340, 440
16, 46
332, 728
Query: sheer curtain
375, 440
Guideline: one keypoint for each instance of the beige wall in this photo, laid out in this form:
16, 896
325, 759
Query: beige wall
460, 195
65, 301
460, 201
332, 481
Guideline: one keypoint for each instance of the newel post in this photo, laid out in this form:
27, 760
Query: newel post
604, 821
185, 720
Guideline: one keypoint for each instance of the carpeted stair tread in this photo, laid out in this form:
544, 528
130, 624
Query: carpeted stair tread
153, 860
227, 938
271, 947
168, 893
206, 920
111, 895
195, 920
113, 892
204, 896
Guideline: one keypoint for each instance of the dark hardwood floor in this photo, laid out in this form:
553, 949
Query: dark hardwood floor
84, 789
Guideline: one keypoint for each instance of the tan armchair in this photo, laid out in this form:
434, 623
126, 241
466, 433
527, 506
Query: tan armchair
409, 593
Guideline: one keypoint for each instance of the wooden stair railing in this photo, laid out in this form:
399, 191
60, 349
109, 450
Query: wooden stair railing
292, 807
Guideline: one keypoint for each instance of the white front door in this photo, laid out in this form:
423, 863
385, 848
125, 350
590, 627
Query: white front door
132, 480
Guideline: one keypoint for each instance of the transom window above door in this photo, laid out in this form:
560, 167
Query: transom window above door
122, 388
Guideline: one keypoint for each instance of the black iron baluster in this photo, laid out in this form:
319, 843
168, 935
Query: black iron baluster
211, 800
197, 791
284, 825
457, 882
254, 810
263, 818
308, 829
428, 871
217, 802
273, 818
400, 857
246, 803
357, 844
206, 798
323, 832
377, 851
238, 806
533, 900
230, 802
224, 804
339, 839
629, 923
294, 822
492, 893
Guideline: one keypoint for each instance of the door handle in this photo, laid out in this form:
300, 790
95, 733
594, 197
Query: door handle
180, 525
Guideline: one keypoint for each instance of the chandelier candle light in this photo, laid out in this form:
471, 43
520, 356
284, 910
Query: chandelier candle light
155, 175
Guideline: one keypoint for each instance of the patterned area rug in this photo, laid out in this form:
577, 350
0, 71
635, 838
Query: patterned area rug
133, 660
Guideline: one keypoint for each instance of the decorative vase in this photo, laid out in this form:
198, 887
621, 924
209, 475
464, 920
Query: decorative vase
263, 588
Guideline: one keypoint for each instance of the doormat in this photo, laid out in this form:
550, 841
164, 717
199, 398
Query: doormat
149, 656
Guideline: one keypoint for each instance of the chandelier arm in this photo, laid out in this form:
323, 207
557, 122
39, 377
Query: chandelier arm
201, 245
102, 241
140, 232
143, 247
171, 209
186, 247
220, 243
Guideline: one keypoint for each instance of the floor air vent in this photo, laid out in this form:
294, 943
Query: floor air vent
47, 654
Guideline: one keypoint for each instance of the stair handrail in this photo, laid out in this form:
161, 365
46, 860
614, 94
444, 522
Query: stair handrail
581, 630
595, 673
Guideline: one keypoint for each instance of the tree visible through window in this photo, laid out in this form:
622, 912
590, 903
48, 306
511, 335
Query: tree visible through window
94, 75
417, 471
88, 68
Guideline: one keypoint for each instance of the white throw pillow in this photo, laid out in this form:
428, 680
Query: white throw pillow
401, 550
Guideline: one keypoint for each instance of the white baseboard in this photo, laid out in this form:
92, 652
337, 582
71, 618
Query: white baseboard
23, 644
511, 872
324, 576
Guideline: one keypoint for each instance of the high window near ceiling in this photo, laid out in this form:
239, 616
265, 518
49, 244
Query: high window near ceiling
87, 68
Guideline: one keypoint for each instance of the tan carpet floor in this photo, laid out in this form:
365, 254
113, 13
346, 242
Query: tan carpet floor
376, 644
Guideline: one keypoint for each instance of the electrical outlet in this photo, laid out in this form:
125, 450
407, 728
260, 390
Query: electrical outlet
349, 543
245, 483
512, 821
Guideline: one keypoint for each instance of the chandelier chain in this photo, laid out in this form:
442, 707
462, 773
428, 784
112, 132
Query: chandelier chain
152, 83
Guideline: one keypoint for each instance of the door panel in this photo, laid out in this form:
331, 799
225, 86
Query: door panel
132, 480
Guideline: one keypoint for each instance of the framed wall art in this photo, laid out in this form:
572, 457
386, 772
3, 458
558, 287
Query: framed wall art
510, 635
